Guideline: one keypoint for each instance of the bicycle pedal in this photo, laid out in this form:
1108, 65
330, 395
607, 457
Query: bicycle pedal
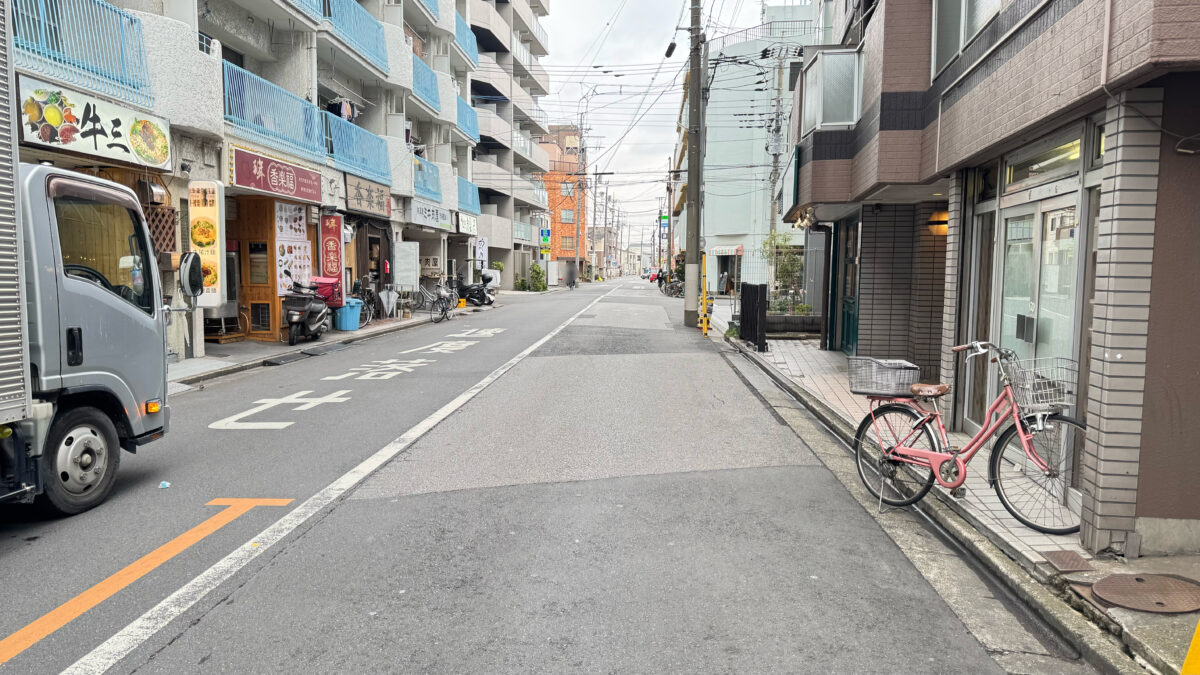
958, 492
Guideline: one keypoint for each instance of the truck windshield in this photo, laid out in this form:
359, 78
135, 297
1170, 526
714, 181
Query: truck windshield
101, 244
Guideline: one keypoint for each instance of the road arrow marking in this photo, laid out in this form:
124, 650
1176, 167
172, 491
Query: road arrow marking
75, 607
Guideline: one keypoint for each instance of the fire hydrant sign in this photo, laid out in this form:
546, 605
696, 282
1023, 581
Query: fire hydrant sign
206, 236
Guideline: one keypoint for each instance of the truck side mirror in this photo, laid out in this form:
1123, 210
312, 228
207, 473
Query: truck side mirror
191, 276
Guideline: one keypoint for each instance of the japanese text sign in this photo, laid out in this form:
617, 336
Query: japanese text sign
206, 232
367, 197
65, 119
254, 171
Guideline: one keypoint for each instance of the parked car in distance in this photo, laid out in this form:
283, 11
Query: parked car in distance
653, 274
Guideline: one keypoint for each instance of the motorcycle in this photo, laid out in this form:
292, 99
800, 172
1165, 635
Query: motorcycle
477, 294
306, 311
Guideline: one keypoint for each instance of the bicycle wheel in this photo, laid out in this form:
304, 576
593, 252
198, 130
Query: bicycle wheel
900, 483
1037, 498
368, 311
439, 309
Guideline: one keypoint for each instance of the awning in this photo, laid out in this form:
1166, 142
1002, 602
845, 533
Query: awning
725, 250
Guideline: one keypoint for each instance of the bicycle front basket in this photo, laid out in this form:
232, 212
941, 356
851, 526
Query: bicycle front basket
882, 377
1044, 384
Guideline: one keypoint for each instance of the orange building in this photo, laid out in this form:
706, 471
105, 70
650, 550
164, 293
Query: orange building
567, 194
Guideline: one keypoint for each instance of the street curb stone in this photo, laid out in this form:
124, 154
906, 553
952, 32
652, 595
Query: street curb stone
1099, 647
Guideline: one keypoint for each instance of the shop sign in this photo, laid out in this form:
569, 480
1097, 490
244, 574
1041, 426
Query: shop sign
293, 252
431, 266
468, 224
430, 215
257, 172
481, 259
408, 265
65, 119
331, 247
206, 232
545, 251
368, 197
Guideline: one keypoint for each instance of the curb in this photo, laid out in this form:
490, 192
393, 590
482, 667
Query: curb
1099, 647
259, 363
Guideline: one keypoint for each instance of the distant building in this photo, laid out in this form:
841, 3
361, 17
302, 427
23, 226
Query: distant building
567, 194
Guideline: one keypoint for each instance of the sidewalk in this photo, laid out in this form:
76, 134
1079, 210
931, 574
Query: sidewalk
819, 379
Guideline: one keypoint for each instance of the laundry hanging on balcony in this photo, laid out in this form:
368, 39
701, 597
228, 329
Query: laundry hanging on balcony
343, 108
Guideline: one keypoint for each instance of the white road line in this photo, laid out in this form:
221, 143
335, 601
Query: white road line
117, 647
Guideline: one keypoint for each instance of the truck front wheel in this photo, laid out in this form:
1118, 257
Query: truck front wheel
79, 463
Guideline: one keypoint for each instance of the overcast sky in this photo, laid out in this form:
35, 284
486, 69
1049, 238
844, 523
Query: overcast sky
628, 38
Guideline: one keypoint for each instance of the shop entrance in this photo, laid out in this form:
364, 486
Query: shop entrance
847, 285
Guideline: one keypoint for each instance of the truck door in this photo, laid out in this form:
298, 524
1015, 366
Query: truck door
113, 332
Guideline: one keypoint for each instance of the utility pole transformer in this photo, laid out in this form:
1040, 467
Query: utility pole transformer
691, 269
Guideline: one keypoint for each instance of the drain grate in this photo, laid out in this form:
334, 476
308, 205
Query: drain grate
1156, 593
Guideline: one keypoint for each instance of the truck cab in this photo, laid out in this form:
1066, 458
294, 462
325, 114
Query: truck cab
95, 324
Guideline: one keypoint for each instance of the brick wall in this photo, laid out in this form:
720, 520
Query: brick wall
952, 274
927, 292
1117, 364
909, 36
885, 280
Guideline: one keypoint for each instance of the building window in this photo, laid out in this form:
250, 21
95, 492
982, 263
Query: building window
1042, 162
568, 216
568, 189
956, 23
568, 243
832, 90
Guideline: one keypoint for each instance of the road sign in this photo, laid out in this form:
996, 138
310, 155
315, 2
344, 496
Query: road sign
545, 234
545, 251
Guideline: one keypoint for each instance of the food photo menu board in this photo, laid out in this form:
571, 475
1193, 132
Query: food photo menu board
293, 252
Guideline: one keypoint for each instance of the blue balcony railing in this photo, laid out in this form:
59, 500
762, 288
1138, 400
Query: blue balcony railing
425, 83
272, 115
427, 180
465, 38
88, 43
312, 8
468, 120
356, 150
468, 196
357, 28
432, 6
522, 231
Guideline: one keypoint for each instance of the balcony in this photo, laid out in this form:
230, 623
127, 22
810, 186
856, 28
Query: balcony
87, 43
402, 166
468, 120
271, 115
529, 192
522, 232
496, 229
356, 27
425, 84
529, 151
468, 196
311, 8
465, 39
493, 126
356, 150
485, 17
427, 180
527, 22
432, 6
488, 175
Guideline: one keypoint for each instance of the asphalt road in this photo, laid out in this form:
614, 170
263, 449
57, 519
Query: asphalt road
620, 498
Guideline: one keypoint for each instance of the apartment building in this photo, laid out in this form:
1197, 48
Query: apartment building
750, 75
508, 164
1019, 172
334, 138
567, 191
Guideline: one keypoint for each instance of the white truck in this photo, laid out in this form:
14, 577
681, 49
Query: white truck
83, 369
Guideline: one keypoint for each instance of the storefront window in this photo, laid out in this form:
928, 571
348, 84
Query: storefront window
1056, 297
1019, 275
260, 271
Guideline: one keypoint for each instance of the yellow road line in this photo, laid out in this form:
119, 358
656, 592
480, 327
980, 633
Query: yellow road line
1191, 662
75, 607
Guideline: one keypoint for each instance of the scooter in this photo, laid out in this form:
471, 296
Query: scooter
476, 294
306, 312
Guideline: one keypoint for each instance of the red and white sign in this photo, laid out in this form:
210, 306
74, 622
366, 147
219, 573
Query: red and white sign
331, 246
254, 171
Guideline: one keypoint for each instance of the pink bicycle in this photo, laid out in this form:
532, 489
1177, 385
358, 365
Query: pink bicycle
900, 457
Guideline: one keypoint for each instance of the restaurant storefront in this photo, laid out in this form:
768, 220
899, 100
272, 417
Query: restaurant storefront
429, 225
369, 251
272, 230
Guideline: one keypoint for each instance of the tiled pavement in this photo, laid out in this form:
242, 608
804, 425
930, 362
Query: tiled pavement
823, 374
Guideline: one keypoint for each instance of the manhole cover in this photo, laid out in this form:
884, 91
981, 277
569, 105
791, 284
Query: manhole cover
1149, 593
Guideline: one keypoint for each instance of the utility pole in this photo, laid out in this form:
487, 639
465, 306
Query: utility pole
580, 195
691, 270
774, 140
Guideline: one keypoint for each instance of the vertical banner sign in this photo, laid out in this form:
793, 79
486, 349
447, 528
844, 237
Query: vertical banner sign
481, 252
206, 231
332, 253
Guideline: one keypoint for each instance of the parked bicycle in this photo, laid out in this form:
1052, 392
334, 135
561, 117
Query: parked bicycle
899, 456
423, 298
440, 308
364, 292
672, 289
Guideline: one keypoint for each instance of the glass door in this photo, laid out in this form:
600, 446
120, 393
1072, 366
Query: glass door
1018, 304
849, 288
979, 322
